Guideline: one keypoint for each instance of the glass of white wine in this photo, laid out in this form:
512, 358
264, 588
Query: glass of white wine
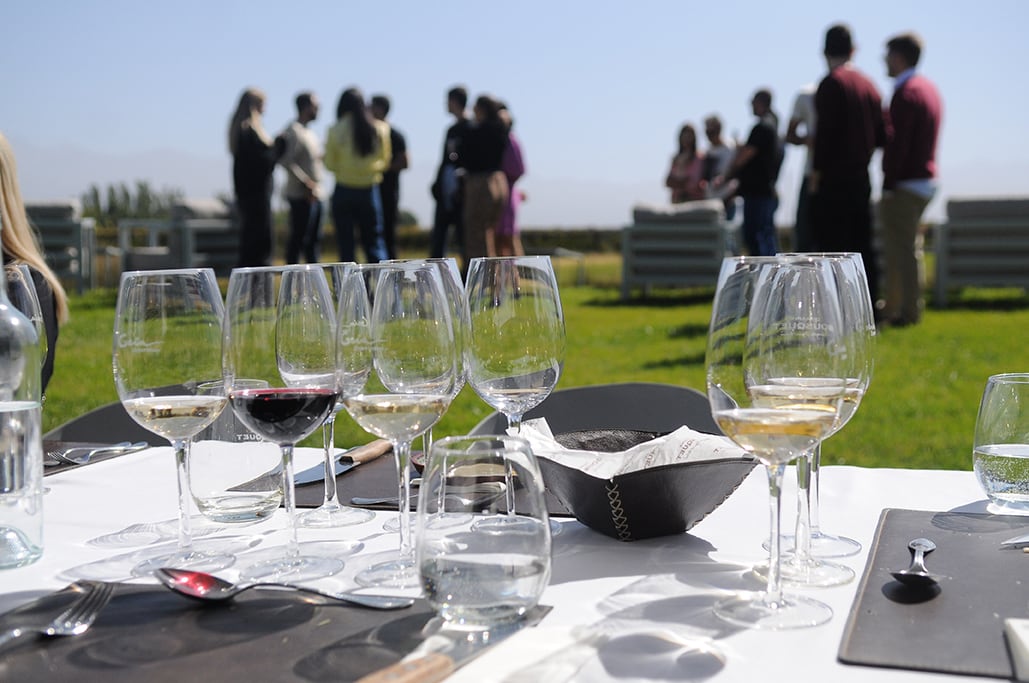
776, 320
398, 363
167, 342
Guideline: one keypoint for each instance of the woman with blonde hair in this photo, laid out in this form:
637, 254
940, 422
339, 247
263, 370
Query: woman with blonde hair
20, 246
254, 155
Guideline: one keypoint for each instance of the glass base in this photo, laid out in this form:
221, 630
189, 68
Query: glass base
196, 559
328, 516
751, 610
813, 574
822, 545
291, 569
399, 572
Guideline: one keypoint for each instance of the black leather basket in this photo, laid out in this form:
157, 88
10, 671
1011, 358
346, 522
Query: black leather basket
658, 501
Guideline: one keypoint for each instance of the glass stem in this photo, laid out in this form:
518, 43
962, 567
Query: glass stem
181, 447
773, 588
426, 444
514, 421
402, 450
328, 440
289, 499
802, 541
813, 504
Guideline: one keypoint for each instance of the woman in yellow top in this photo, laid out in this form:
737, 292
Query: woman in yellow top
357, 151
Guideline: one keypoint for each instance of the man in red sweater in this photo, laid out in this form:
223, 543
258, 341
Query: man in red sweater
850, 126
909, 177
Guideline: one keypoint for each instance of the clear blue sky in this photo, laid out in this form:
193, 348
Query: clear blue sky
111, 90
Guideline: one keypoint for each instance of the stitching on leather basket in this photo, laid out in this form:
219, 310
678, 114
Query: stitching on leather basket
621, 522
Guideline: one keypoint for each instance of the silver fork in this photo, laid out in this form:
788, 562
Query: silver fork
72, 621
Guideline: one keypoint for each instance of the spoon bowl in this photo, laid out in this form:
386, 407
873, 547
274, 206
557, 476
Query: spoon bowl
209, 588
916, 575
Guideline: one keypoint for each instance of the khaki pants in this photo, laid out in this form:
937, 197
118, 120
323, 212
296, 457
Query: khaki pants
900, 213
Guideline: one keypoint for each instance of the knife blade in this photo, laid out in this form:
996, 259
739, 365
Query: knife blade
1016, 542
446, 651
346, 462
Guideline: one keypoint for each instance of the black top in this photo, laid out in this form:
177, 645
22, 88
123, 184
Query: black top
482, 148
48, 306
451, 146
253, 164
757, 178
391, 179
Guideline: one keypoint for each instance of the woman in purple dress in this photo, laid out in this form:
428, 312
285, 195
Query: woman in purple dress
509, 243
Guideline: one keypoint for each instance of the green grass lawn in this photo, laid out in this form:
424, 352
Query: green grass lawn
919, 412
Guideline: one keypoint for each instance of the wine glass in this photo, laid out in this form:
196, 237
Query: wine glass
859, 322
779, 320
279, 327
516, 345
167, 342
332, 513
397, 369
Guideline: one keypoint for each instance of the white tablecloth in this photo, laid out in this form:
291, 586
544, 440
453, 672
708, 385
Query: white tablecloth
622, 611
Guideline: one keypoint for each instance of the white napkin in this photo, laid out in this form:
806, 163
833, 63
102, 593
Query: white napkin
682, 445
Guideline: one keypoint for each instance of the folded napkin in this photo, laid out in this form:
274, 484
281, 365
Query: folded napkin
681, 446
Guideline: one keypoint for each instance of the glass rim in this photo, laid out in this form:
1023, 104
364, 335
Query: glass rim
470, 438
166, 271
1010, 377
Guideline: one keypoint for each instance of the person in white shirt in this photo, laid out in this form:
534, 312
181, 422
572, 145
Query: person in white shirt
302, 159
801, 131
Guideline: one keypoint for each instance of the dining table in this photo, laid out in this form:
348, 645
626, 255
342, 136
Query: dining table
620, 611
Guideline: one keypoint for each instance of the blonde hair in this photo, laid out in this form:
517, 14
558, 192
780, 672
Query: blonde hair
248, 115
20, 243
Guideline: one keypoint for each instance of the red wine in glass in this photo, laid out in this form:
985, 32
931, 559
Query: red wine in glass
283, 415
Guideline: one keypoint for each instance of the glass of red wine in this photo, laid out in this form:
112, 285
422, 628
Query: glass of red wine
280, 328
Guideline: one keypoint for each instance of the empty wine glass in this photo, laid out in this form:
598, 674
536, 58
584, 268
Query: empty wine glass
516, 343
397, 366
774, 320
279, 327
332, 513
167, 342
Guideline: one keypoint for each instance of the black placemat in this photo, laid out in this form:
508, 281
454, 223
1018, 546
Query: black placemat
378, 479
147, 633
957, 630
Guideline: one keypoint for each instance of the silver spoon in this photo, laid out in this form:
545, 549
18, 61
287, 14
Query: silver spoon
209, 588
917, 576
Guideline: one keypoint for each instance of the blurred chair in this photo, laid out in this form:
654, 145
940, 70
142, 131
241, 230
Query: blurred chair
68, 240
109, 423
642, 406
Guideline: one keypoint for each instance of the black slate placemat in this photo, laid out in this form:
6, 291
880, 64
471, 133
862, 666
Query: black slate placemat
147, 633
957, 630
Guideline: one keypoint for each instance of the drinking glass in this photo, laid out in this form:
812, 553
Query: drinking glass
332, 513
167, 342
859, 324
471, 573
279, 327
778, 321
1000, 453
397, 366
516, 345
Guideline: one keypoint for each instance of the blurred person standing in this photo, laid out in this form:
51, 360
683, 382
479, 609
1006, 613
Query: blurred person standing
21, 246
389, 189
253, 164
357, 152
756, 167
481, 155
800, 131
509, 242
446, 189
717, 161
302, 159
909, 177
850, 126
687, 169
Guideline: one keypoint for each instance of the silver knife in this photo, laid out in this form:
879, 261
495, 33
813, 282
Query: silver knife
446, 651
1016, 542
346, 462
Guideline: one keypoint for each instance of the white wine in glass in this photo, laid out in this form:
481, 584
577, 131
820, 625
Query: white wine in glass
167, 343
